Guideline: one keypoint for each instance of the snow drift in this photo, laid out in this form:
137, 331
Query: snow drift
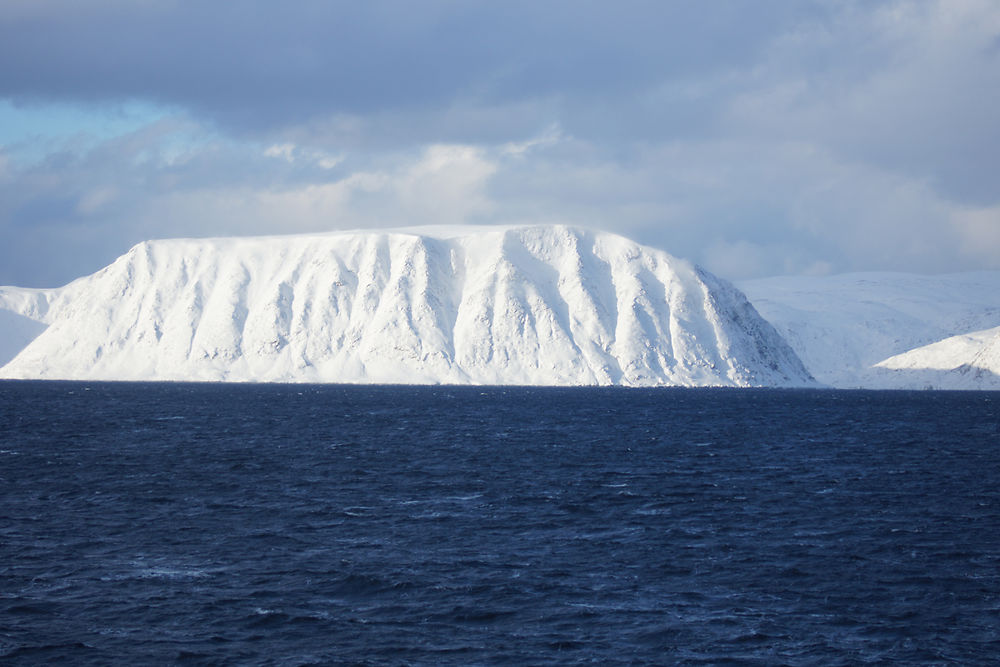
518, 305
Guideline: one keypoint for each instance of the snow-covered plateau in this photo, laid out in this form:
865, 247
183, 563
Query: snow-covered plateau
889, 330
531, 305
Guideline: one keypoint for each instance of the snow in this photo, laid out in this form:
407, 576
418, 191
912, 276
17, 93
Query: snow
21, 315
533, 305
16, 331
843, 326
968, 361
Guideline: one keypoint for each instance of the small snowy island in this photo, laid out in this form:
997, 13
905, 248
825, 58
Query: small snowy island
524, 305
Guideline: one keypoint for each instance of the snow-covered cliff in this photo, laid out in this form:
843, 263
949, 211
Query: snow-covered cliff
490, 305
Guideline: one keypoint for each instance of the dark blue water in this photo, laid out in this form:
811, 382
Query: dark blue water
381, 525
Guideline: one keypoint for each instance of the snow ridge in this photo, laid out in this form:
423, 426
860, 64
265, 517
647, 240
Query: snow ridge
534, 305
967, 361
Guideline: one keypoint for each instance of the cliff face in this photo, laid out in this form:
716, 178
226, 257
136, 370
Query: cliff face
541, 305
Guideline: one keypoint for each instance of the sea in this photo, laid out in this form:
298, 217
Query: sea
219, 524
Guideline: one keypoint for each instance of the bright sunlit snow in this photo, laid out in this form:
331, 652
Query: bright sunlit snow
540, 305
968, 361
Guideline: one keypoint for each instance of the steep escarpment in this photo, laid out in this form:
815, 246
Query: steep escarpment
542, 305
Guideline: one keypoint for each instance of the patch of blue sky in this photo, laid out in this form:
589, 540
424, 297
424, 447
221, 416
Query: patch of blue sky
31, 130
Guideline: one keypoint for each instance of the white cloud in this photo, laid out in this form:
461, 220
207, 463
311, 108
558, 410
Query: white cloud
442, 184
549, 137
446, 185
290, 153
328, 161
284, 151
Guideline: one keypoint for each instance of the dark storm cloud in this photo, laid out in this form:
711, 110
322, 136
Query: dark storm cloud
635, 71
256, 64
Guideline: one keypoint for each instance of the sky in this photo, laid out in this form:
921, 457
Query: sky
774, 137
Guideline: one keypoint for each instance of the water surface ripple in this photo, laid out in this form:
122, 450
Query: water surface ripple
151, 523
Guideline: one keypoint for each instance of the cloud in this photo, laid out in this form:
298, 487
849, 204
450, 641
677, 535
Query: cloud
743, 209
171, 180
979, 233
285, 150
756, 138
255, 65
908, 86
743, 259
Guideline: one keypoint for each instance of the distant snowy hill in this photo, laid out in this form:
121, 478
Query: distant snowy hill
546, 305
843, 326
969, 361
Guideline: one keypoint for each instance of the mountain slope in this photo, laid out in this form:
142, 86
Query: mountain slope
842, 326
16, 331
518, 305
22, 312
969, 361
